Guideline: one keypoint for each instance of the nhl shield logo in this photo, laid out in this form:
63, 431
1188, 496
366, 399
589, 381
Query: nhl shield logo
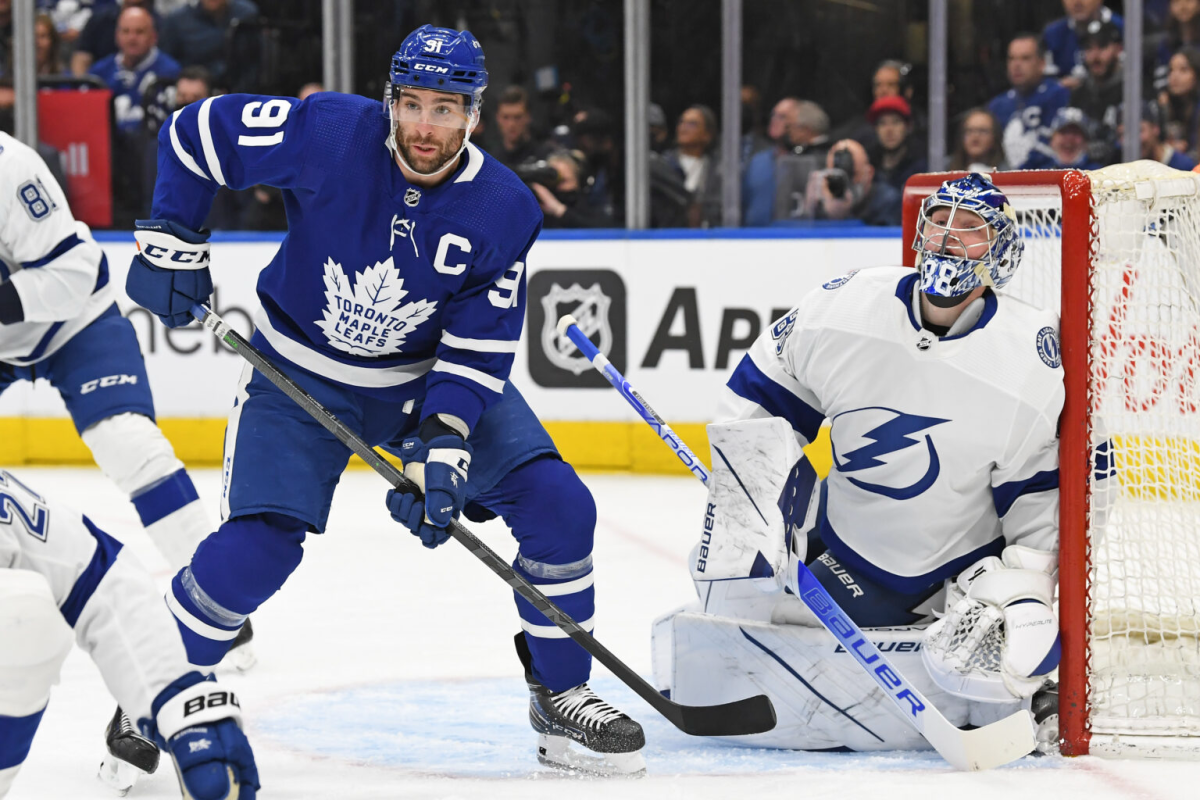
412, 197
590, 308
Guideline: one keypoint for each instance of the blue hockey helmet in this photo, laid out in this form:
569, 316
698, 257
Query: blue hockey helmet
944, 248
439, 58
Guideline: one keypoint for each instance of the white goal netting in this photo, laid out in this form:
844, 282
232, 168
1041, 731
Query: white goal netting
1143, 417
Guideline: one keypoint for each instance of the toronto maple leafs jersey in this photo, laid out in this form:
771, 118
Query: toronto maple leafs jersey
389, 288
58, 273
103, 592
944, 449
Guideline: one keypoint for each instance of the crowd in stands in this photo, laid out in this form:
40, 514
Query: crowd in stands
1062, 109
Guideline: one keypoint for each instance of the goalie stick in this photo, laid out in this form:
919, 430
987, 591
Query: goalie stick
750, 715
982, 748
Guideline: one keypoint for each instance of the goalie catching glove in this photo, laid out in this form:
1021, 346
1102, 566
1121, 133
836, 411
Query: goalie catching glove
999, 637
198, 722
436, 460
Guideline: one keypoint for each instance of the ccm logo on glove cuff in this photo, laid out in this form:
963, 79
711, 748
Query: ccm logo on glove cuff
170, 252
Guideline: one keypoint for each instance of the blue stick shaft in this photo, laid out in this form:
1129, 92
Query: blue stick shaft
648, 414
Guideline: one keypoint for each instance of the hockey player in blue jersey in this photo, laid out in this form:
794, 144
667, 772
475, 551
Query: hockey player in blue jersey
943, 395
397, 300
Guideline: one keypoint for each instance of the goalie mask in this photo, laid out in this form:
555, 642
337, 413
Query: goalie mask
446, 64
959, 252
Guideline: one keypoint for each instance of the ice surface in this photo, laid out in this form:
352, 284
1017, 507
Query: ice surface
387, 671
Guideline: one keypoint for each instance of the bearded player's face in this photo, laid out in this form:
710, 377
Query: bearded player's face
430, 127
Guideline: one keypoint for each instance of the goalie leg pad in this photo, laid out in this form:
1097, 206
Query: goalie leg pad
822, 697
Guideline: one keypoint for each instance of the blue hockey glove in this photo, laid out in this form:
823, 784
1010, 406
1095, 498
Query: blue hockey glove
198, 722
170, 273
436, 460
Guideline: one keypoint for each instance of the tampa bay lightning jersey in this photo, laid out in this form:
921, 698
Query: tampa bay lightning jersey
50, 258
391, 289
944, 449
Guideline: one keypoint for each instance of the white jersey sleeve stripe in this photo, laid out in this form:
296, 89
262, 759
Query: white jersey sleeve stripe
479, 345
752, 383
482, 378
183, 155
206, 141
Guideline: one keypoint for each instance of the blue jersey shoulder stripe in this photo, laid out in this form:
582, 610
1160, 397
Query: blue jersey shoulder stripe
750, 382
1006, 494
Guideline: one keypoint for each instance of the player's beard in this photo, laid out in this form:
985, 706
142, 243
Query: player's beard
429, 163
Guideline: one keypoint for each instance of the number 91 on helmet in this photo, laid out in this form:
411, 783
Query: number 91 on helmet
967, 237
446, 64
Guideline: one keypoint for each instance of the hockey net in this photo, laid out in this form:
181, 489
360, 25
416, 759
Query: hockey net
1117, 253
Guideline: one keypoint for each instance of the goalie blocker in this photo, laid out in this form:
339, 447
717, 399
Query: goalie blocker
762, 638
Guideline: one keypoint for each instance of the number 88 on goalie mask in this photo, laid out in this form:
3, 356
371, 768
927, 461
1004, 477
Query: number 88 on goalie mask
967, 237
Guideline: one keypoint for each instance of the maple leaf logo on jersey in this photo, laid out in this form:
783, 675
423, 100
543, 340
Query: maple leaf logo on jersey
368, 319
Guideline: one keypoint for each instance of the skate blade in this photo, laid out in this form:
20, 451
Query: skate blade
564, 754
239, 659
118, 775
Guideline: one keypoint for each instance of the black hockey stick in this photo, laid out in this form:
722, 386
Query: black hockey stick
751, 715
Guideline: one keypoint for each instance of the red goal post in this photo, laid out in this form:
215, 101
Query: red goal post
1117, 253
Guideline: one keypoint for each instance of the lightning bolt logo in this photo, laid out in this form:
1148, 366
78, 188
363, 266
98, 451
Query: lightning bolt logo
891, 436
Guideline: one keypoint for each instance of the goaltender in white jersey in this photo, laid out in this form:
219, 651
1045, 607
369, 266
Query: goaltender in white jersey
943, 396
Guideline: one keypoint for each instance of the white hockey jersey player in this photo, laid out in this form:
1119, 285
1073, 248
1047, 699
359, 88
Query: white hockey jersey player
943, 399
945, 448
59, 572
36, 231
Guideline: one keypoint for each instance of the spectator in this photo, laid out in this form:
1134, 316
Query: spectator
847, 189
1024, 111
196, 35
660, 137
515, 125
1153, 146
893, 159
693, 155
1065, 61
1068, 144
134, 67
773, 183
978, 148
560, 203
70, 16
1180, 101
47, 42
309, 89
99, 37
1101, 93
754, 138
891, 79
1183, 30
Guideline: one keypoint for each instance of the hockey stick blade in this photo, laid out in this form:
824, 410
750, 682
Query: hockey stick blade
751, 715
983, 748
